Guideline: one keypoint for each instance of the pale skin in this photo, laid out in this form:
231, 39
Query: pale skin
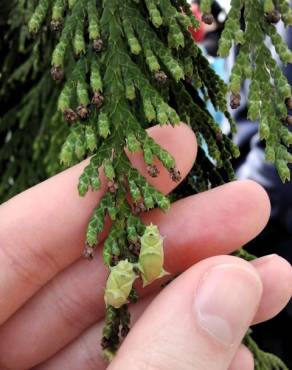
51, 300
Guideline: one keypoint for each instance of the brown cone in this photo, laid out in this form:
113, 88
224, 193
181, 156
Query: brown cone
161, 77
57, 73
56, 25
289, 120
152, 170
97, 45
175, 174
97, 99
70, 116
288, 103
208, 18
235, 100
273, 17
83, 111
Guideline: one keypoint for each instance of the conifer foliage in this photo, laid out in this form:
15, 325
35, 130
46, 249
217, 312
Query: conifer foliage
120, 67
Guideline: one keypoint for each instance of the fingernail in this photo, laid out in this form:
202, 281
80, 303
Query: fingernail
226, 301
266, 259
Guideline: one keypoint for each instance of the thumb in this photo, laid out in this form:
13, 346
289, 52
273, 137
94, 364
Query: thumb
197, 322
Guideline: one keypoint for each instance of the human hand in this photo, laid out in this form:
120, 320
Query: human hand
51, 300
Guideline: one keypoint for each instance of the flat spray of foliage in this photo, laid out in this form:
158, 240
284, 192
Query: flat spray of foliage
121, 67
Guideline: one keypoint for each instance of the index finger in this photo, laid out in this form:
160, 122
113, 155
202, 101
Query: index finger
42, 230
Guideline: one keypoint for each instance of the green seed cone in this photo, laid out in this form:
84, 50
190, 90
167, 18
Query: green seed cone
151, 256
119, 284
